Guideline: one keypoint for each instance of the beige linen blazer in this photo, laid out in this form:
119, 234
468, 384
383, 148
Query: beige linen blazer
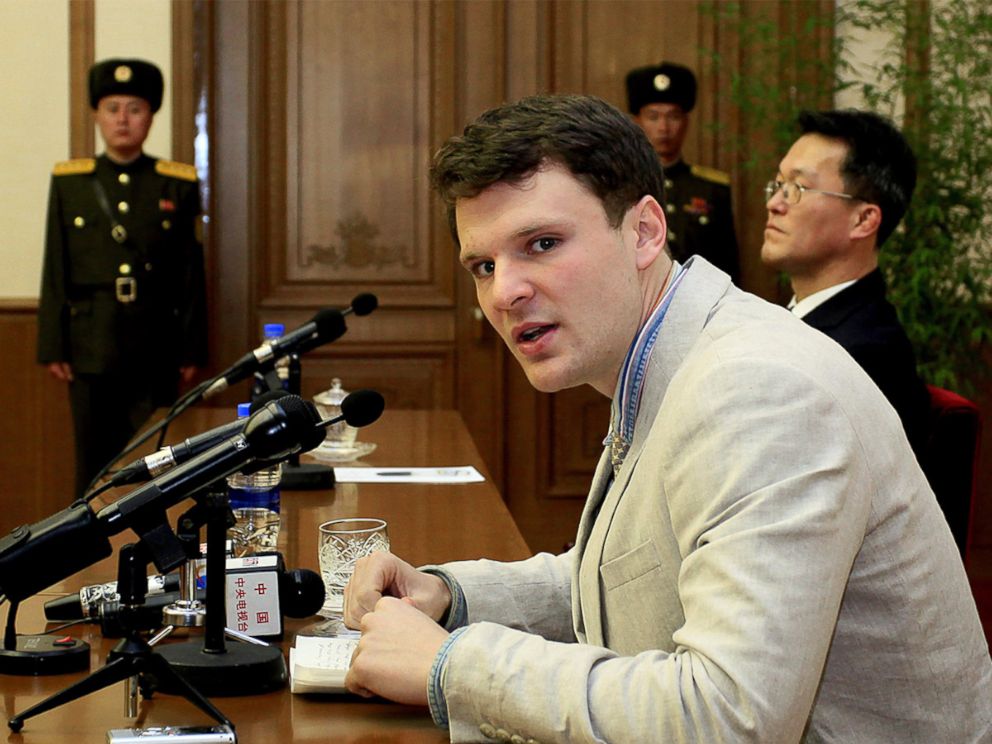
769, 565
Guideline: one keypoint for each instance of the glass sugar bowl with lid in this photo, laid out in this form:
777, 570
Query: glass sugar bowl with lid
340, 443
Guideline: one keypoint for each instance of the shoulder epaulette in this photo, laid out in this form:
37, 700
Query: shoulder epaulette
76, 167
711, 174
171, 168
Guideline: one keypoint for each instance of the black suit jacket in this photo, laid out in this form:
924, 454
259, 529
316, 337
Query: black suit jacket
863, 321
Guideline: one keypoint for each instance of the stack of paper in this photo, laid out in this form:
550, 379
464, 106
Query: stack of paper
319, 664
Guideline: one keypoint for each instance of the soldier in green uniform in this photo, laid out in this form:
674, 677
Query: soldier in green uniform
122, 312
697, 198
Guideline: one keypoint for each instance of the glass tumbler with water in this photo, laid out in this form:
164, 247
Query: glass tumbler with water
255, 502
342, 542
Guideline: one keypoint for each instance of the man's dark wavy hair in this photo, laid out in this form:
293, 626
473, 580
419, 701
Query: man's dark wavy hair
599, 145
880, 167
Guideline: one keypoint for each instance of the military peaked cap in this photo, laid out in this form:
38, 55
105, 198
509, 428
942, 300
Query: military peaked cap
126, 77
664, 83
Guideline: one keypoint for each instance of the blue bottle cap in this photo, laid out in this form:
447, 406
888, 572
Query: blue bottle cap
273, 330
244, 409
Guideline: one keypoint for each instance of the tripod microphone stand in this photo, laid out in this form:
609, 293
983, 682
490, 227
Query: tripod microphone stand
213, 666
132, 656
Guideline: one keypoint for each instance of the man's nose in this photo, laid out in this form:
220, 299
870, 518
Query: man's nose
511, 286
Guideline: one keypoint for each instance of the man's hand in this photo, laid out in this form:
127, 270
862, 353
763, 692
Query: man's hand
61, 371
396, 652
384, 575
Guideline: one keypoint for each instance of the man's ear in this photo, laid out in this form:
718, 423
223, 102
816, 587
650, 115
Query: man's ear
868, 218
652, 230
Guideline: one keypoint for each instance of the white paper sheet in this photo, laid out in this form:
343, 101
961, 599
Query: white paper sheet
400, 474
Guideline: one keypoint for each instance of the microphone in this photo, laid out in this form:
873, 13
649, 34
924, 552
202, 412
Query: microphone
358, 409
87, 601
158, 462
33, 557
301, 594
362, 304
326, 326
274, 432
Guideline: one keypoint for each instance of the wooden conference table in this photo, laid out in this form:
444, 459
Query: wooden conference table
427, 524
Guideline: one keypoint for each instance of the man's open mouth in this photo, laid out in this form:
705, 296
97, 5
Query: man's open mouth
532, 334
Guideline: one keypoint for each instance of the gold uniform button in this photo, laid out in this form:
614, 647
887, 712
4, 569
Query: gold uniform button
148, 266
704, 220
123, 207
79, 222
125, 269
672, 237
488, 730
503, 735
669, 183
166, 224
517, 739
670, 208
124, 178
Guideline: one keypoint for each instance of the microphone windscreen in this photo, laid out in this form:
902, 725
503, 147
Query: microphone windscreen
329, 325
267, 397
300, 413
301, 592
364, 303
362, 407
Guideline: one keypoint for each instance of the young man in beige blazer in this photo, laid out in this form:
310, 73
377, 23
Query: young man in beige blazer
760, 558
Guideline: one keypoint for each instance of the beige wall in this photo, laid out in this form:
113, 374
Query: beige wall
34, 133
34, 126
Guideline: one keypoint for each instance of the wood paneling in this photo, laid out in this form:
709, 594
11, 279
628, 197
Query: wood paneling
36, 457
325, 114
82, 19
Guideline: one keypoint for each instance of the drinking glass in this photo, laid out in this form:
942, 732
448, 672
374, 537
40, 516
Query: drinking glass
342, 542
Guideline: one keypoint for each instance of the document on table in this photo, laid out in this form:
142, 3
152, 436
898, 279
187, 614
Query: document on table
399, 474
320, 664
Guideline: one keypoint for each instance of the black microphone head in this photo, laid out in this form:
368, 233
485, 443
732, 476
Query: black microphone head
329, 325
265, 398
364, 303
277, 429
362, 407
301, 592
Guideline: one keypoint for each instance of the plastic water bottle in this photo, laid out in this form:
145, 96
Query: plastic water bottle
255, 501
272, 332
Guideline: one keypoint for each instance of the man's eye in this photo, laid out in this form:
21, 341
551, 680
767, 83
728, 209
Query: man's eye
543, 244
483, 269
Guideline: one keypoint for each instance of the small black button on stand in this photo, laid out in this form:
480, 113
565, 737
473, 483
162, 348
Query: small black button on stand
132, 656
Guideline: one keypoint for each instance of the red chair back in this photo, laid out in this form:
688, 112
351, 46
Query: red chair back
951, 459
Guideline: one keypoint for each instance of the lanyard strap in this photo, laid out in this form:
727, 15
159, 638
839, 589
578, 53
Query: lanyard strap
117, 231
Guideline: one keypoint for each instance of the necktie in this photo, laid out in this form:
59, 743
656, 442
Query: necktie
618, 451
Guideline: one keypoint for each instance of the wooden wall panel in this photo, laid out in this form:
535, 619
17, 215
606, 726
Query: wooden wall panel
36, 457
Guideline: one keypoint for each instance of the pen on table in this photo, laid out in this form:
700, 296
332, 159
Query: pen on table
393, 472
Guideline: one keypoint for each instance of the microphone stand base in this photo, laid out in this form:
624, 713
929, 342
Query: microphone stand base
306, 476
38, 655
241, 669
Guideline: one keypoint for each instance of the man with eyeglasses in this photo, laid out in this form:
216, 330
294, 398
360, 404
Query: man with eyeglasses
840, 191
